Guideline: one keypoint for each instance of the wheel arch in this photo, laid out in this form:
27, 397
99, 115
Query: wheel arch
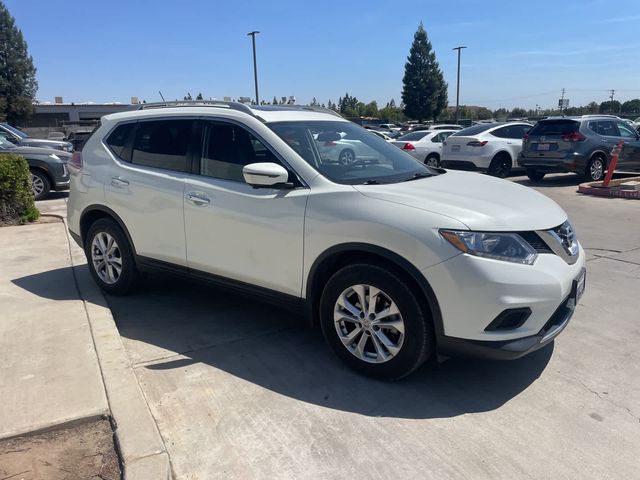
501, 152
92, 213
46, 172
338, 256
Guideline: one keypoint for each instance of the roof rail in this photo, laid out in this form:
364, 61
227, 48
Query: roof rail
241, 107
297, 107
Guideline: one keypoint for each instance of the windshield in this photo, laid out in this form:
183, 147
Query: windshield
346, 153
14, 130
6, 144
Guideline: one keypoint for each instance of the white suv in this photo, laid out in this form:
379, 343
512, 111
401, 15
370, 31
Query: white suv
395, 260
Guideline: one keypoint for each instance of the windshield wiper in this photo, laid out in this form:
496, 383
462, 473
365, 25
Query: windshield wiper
416, 176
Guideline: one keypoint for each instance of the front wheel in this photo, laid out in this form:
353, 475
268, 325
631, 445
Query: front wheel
40, 184
500, 166
373, 321
110, 257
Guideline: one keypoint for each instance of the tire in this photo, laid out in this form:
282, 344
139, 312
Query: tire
535, 175
500, 165
107, 277
432, 160
40, 184
595, 168
345, 332
347, 157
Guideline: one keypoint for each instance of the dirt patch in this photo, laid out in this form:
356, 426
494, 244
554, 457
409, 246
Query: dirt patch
84, 451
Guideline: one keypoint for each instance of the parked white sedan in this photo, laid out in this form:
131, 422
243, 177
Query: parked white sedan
425, 145
489, 147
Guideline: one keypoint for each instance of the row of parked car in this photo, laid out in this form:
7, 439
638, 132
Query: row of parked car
556, 144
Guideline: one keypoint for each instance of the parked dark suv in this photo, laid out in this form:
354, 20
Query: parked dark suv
579, 144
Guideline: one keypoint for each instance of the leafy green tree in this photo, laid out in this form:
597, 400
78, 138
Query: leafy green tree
314, 102
610, 107
199, 97
424, 91
18, 85
371, 109
518, 112
187, 96
484, 113
631, 106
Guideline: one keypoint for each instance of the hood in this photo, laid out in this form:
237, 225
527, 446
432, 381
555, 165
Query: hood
30, 151
479, 201
40, 142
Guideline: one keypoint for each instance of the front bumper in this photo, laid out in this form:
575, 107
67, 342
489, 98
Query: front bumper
472, 292
516, 348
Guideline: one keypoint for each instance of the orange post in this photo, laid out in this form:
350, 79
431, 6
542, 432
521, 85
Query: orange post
614, 163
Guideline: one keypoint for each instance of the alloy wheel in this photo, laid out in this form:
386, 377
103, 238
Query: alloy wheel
37, 185
432, 162
106, 257
596, 170
368, 323
347, 157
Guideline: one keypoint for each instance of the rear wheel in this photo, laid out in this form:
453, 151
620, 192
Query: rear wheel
535, 175
595, 168
347, 157
110, 257
40, 184
432, 160
500, 165
372, 320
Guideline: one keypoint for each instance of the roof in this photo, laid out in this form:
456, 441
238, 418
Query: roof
263, 113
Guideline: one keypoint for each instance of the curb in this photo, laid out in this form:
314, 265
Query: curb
613, 191
142, 451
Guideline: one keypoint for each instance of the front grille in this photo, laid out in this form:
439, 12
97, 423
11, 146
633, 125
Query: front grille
533, 239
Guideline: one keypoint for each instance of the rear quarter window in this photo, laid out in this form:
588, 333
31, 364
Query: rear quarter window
119, 138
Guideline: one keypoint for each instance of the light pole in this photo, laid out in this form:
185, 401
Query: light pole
458, 85
255, 67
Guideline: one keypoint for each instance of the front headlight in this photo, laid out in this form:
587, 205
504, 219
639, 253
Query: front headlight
509, 247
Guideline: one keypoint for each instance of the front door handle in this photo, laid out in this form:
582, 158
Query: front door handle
198, 199
119, 182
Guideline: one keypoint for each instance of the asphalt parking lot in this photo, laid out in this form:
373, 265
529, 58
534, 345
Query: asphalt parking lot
243, 390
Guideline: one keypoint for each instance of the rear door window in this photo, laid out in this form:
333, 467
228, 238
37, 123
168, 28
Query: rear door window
163, 144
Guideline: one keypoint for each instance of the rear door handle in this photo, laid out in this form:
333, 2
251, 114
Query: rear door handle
119, 182
198, 199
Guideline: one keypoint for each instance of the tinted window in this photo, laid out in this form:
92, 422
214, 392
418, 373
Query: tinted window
163, 144
227, 148
474, 130
626, 131
504, 132
554, 127
515, 132
118, 139
412, 136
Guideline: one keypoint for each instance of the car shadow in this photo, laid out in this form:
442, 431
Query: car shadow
171, 324
55, 196
560, 180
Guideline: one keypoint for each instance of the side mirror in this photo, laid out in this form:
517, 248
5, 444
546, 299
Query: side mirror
266, 175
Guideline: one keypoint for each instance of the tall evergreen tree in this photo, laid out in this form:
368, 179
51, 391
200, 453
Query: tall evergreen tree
275, 101
424, 91
199, 97
18, 84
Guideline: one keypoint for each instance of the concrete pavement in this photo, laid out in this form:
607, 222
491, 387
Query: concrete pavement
242, 390
50, 373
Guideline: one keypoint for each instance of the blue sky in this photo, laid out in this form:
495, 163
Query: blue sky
520, 53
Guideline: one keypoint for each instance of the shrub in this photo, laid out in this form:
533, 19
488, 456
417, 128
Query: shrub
16, 197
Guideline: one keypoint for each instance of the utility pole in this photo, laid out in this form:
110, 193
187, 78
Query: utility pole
255, 66
458, 85
611, 98
562, 102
